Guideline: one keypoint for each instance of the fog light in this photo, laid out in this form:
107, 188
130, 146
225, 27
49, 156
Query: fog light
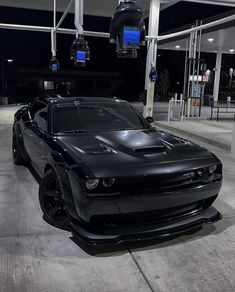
92, 184
212, 169
109, 182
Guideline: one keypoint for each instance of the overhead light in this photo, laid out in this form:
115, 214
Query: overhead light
177, 47
231, 50
10, 60
210, 40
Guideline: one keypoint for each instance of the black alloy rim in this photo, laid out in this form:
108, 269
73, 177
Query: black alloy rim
14, 147
53, 202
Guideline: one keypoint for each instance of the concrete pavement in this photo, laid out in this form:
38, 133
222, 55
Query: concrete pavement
35, 256
211, 132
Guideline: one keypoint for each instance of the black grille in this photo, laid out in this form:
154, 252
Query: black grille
149, 217
164, 182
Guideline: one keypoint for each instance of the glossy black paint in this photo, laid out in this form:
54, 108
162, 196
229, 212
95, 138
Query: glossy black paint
145, 164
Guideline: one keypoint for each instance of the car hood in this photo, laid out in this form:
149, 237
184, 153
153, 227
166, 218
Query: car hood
134, 152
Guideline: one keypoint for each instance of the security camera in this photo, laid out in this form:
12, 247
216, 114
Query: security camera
127, 29
80, 52
54, 65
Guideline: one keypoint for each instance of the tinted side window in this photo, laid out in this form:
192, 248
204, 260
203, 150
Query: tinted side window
38, 114
25, 117
35, 107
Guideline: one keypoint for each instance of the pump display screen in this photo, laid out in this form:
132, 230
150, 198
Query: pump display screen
154, 77
81, 56
131, 37
54, 67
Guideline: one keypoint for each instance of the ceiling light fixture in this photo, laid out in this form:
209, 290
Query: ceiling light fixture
177, 47
231, 50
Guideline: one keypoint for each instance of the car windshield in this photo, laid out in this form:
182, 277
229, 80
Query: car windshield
96, 117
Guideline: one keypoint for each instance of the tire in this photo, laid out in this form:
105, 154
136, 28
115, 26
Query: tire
17, 156
51, 201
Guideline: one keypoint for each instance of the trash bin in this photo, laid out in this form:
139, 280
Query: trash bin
208, 100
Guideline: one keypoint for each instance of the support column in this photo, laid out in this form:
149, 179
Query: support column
154, 14
53, 32
217, 75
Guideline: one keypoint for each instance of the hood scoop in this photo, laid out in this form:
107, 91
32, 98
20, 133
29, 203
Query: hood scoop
101, 149
150, 149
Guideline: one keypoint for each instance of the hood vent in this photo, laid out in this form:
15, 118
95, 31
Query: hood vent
150, 149
101, 149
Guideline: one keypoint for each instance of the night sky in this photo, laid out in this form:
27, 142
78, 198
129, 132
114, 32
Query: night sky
32, 49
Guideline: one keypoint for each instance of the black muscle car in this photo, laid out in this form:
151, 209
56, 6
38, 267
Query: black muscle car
109, 175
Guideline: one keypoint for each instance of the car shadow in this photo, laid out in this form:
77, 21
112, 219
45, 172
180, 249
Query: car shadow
191, 235
34, 173
125, 247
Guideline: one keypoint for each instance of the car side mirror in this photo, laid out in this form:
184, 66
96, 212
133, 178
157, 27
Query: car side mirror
150, 120
31, 123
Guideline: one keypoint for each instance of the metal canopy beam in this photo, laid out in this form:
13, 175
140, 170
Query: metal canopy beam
198, 28
214, 2
67, 10
49, 29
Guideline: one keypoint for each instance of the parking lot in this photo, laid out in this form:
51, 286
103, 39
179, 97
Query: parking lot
35, 256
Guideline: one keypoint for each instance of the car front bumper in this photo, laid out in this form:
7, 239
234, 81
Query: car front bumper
142, 202
101, 236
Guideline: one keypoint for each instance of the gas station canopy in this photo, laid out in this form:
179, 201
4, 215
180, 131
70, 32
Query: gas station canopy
218, 38
104, 8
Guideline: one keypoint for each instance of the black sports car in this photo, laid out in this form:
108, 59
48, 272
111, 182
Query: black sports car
109, 175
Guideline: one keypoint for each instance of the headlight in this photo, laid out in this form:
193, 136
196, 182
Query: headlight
92, 184
201, 172
212, 169
108, 182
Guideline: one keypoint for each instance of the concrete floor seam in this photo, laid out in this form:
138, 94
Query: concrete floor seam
29, 235
139, 268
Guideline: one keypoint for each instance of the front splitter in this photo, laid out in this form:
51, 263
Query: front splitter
169, 228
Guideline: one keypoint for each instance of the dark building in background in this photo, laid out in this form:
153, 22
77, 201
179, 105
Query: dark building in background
105, 74
26, 84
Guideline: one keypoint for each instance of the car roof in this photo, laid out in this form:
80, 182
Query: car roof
58, 99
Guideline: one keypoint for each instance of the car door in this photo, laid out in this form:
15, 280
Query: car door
41, 148
35, 135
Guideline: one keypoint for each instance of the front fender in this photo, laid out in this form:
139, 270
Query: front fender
20, 141
70, 183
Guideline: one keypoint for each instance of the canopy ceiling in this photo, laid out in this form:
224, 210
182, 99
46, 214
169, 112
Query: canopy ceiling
99, 7
92, 7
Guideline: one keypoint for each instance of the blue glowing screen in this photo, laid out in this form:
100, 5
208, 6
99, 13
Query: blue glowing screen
81, 56
54, 67
131, 37
154, 77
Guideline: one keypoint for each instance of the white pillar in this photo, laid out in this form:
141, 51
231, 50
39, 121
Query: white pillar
154, 13
217, 75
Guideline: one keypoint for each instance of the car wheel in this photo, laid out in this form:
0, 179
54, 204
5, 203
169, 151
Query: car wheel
17, 157
51, 201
